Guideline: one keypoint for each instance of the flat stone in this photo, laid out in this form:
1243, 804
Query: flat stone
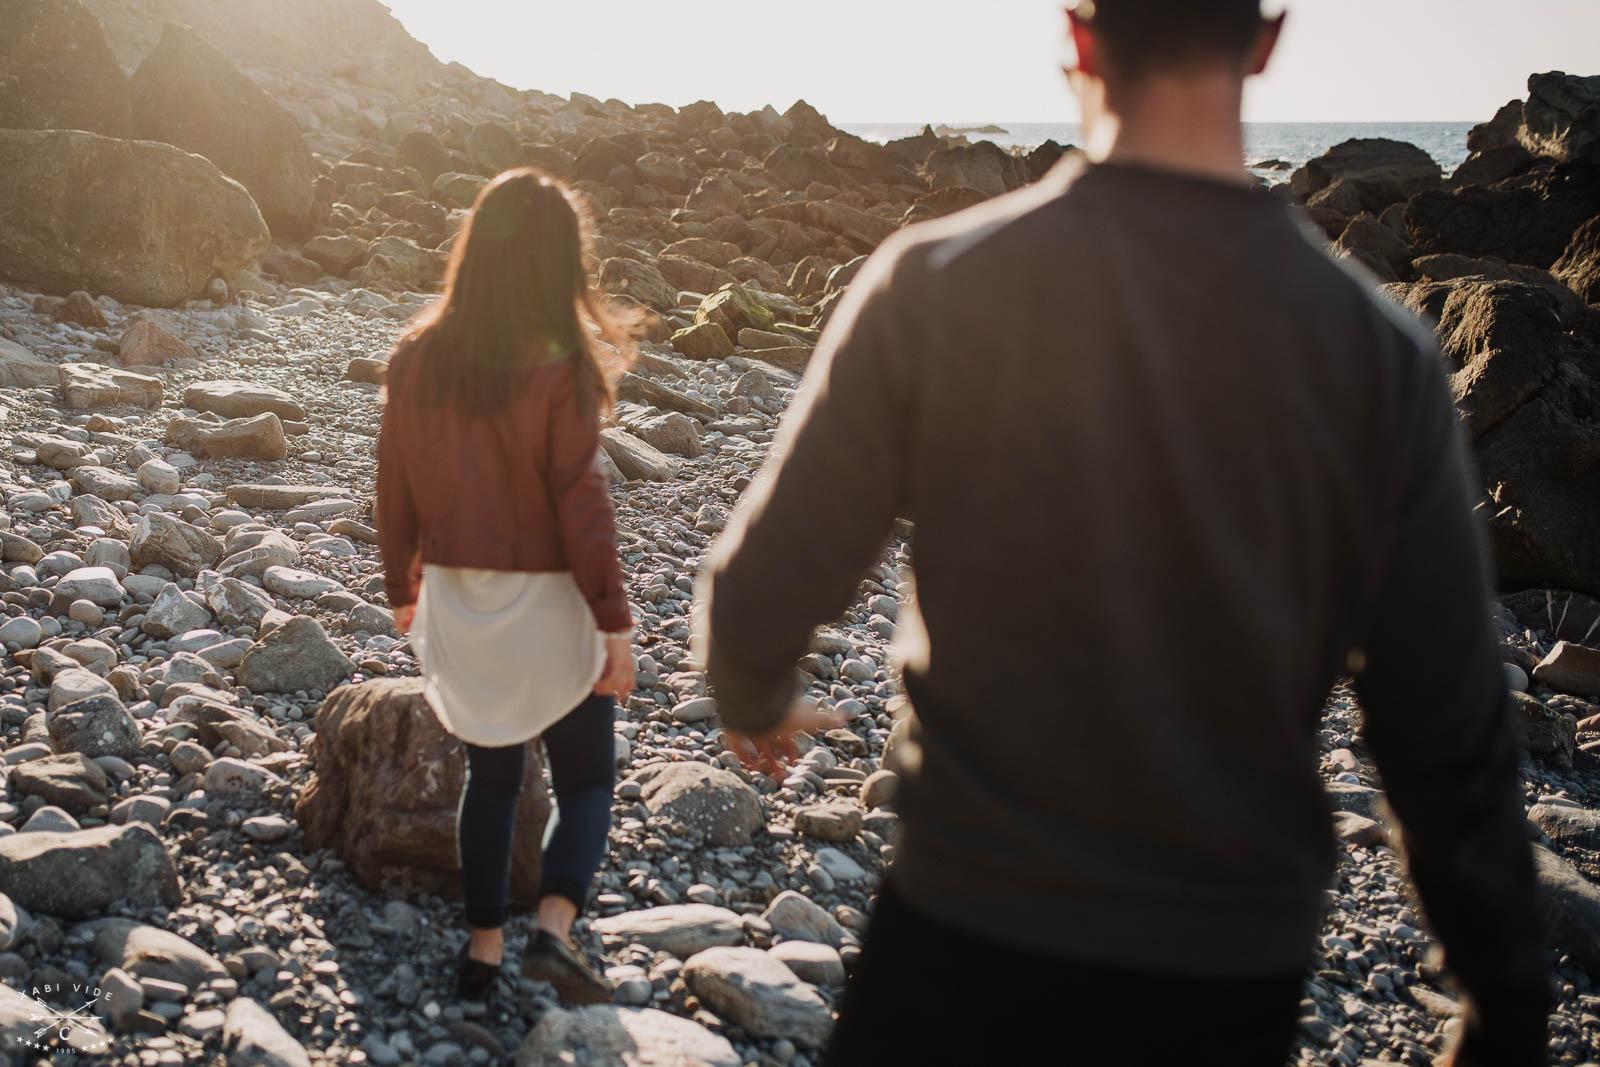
281, 497
151, 953
1570, 668
105, 483
267, 828
88, 385
293, 583
818, 964
760, 994
251, 1037
72, 780
229, 775
242, 400
85, 872
1359, 799
608, 1035
840, 866
831, 821
799, 918
635, 458
681, 929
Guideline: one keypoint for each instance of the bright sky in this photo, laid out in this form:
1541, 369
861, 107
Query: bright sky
996, 60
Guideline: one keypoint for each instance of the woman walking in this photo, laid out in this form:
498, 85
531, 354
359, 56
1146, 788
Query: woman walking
500, 555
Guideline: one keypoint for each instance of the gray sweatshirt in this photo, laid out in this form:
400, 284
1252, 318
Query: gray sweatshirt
1172, 471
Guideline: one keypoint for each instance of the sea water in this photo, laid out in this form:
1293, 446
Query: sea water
1290, 142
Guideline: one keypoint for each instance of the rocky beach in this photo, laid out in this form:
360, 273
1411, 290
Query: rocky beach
227, 823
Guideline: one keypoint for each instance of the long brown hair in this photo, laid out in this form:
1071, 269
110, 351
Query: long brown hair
516, 295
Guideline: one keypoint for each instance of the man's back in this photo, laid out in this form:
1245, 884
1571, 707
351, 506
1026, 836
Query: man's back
1141, 577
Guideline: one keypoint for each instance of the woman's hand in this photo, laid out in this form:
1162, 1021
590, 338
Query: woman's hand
616, 680
404, 616
772, 752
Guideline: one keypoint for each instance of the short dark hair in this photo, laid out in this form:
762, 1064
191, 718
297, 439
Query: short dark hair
1143, 36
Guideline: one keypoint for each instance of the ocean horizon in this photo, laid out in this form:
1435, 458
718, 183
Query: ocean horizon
1290, 142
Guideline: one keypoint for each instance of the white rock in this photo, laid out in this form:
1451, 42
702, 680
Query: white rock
98, 585
21, 631
293, 583
175, 612
159, 476
842, 867
229, 775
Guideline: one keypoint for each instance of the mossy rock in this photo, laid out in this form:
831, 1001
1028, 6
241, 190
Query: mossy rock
735, 308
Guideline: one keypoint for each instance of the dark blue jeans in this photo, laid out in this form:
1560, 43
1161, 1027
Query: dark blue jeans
581, 754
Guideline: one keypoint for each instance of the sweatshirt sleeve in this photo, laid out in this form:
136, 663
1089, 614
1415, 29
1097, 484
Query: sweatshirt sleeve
1439, 722
583, 511
399, 528
816, 515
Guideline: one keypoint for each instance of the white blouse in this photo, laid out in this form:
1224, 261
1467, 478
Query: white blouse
504, 654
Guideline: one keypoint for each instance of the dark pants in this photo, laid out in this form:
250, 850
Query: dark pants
581, 755
1008, 1000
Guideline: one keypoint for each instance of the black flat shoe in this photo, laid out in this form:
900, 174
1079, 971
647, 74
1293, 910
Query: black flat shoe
473, 977
550, 960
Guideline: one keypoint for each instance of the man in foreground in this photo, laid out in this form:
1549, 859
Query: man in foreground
1172, 471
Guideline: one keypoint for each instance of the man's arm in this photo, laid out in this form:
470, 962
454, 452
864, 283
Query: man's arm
1438, 719
818, 513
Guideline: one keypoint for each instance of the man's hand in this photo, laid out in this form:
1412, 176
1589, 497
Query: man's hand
772, 752
404, 616
616, 680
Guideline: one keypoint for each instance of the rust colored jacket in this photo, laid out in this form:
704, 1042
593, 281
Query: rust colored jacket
521, 490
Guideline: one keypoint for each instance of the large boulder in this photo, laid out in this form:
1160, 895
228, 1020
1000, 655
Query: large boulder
1528, 219
143, 222
80, 873
386, 787
57, 72
983, 166
1561, 118
1377, 172
1531, 397
188, 94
